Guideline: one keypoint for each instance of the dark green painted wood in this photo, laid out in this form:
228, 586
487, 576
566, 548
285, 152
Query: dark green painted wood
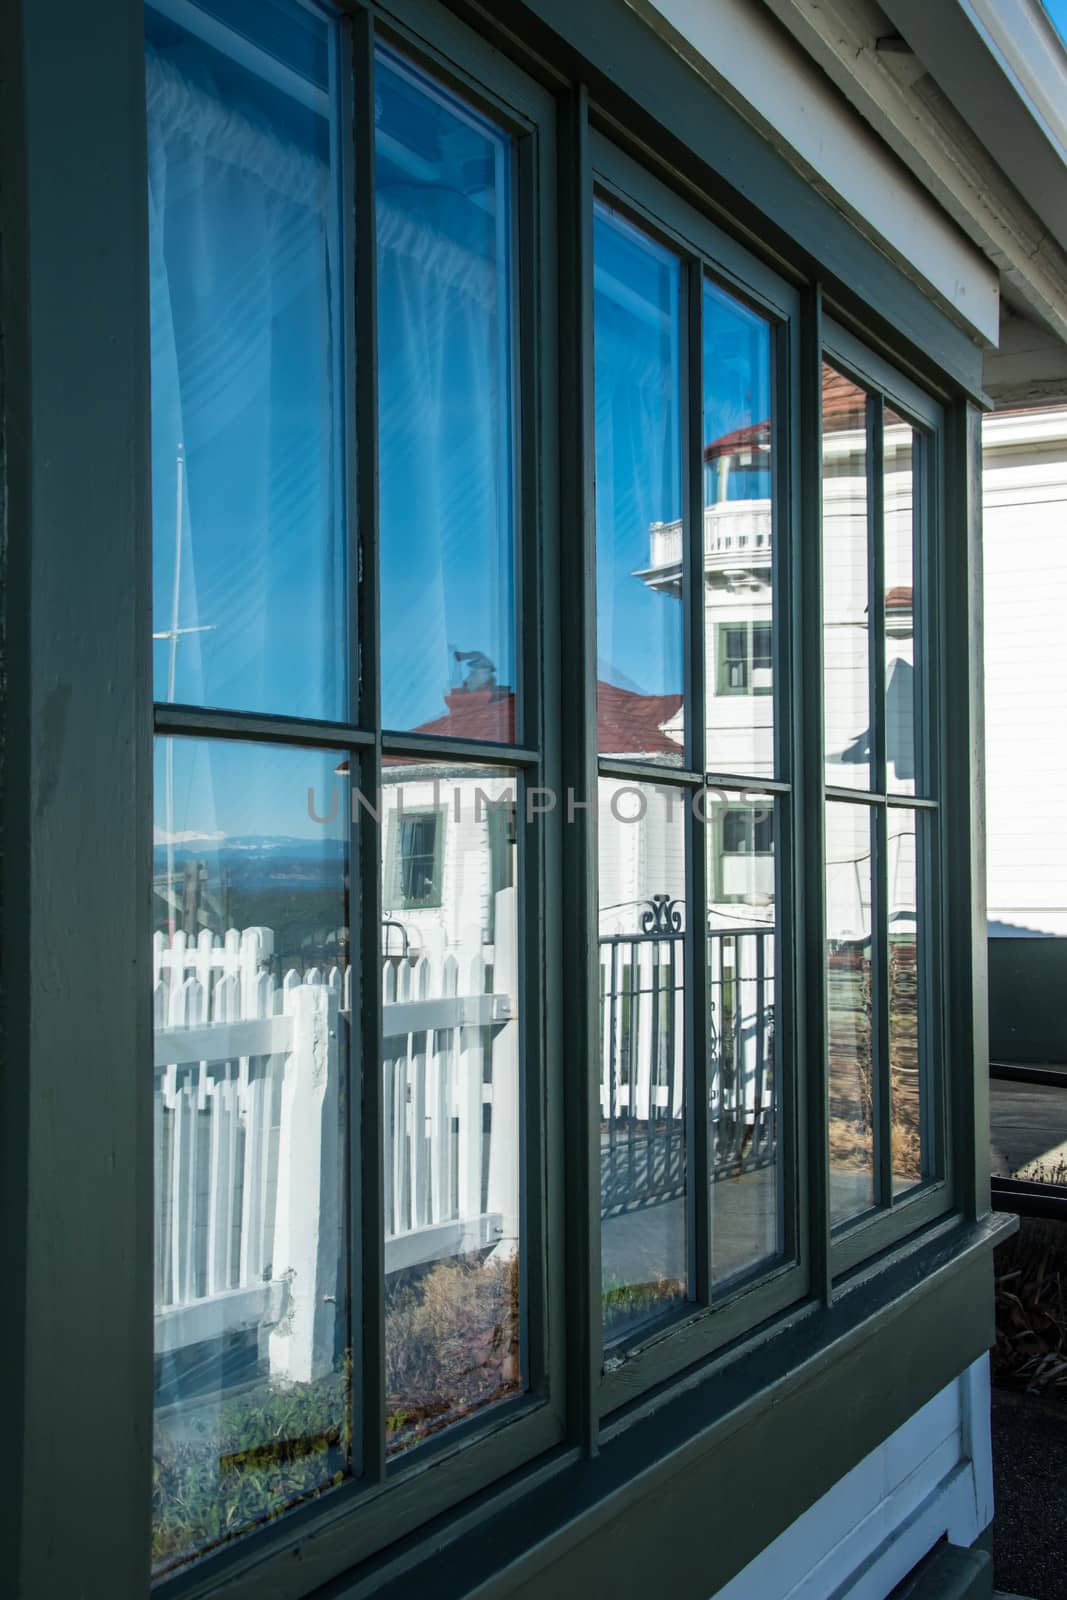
78, 774
366, 1147
1027, 982
685, 1494
962, 756
697, 1066
15, 779
578, 724
808, 745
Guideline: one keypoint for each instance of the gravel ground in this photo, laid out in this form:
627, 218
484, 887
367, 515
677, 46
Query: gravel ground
1030, 1488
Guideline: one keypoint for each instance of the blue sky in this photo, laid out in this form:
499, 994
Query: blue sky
1057, 10
249, 427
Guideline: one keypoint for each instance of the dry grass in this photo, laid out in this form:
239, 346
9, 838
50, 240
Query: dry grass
851, 1079
451, 1344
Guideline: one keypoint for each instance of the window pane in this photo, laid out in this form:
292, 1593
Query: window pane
900, 661
642, 1084
248, 498
738, 490
637, 322
906, 1030
250, 967
452, 1074
848, 1004
443, 195
846, 599
741, 960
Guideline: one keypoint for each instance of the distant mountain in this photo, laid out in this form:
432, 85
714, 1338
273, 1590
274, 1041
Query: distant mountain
244, 847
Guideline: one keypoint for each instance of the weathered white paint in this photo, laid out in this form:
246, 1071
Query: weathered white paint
893, 91
933, 1477
1025, 557
764, 74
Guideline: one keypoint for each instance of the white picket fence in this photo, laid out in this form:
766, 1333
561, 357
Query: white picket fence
248, 1107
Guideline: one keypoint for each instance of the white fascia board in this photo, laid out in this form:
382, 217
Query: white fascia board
1004, 68
893, 92
1015, 430
761, 71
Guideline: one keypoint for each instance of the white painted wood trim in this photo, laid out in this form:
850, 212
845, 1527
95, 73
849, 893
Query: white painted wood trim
933, 1477
762, 72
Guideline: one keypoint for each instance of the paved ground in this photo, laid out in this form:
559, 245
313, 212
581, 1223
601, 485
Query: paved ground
1030, 1487
1029, 1129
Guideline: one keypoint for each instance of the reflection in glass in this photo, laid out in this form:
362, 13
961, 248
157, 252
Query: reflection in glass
637, 329
745, 1208
451, 1075
738, 591
251, 975
247, 368
907, 1111
900, 662
443, 197
848, 1006
846, 599
642, 1080
1028, 1130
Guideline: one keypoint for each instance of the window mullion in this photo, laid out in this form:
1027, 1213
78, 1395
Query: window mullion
367, 1200
880, 1077
810, 774
579, 965
696, 989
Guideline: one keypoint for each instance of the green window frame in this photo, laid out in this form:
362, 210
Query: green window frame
745, 833
739, 659
891, 1215
761, 1366
406, 865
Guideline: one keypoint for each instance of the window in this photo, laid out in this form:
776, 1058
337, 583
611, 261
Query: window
695, 1005
881, 826
745, 659
499, 958
347, 951
417, 845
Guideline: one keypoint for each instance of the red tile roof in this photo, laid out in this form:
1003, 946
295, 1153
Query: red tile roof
627, 723
631, 724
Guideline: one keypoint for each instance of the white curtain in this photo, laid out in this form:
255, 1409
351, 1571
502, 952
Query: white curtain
244, 385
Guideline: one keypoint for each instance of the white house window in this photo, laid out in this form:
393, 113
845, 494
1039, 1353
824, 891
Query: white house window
418, 843
746, 659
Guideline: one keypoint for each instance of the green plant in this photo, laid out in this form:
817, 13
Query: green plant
245, 1463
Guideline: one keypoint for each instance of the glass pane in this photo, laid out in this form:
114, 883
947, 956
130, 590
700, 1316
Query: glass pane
848, 1005
443, 196
451, 1087
746, 1218
900, 662
637, 325
251, 974
1028, 1128
738, 491
906, 941
248, 499
846, 599
642, 1074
